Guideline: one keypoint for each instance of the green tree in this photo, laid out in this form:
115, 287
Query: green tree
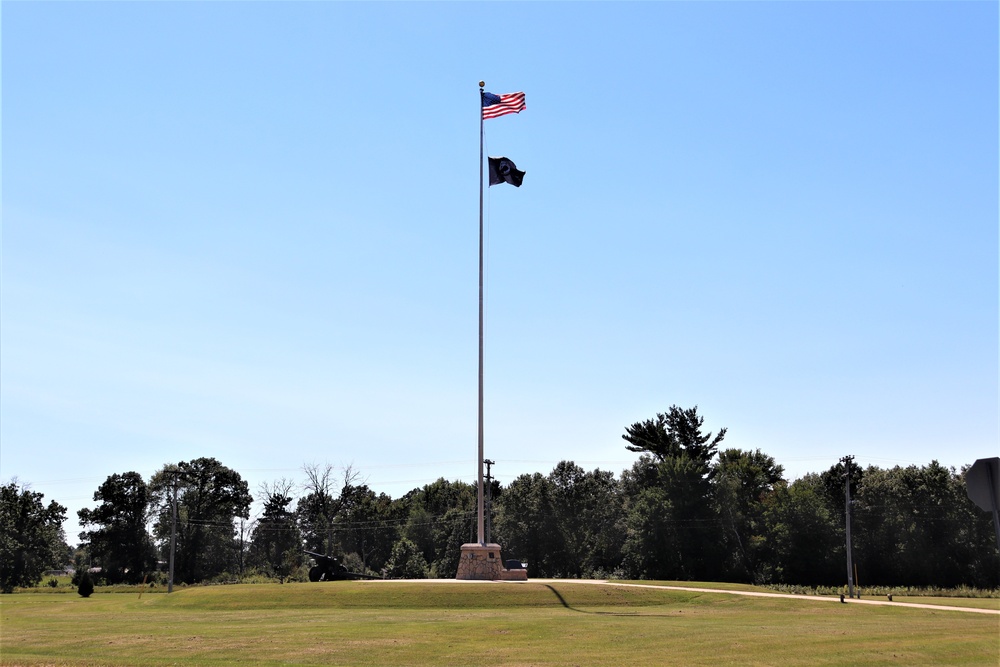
806, 544
672, 528
527, 526
419, 530
675, 433
883, 526
680, 512
588, 512
367, 525
31, 536
451, 531
833, 487
210, 499
743, 482
318, 510
440, 514
86, 586
119, 543
406, 561
913, 527
651, 547
275, 543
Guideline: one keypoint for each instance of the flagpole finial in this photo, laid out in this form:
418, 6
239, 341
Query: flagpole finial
482, 84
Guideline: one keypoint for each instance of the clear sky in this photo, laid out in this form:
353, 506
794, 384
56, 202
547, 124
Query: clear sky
249, 231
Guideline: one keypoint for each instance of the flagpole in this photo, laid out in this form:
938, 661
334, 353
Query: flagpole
479, 504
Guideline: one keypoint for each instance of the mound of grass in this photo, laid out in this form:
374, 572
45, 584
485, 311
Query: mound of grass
419, 595
714, 585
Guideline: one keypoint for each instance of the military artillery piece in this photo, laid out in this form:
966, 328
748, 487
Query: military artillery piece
328, 568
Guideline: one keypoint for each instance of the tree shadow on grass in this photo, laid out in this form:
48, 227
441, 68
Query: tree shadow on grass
567, 605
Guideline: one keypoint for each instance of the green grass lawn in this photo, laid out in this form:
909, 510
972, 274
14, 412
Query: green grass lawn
403, 623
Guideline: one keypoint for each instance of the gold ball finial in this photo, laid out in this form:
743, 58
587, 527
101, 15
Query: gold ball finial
482, 84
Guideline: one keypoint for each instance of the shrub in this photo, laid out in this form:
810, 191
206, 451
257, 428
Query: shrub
353, 563
86, 586
406, 561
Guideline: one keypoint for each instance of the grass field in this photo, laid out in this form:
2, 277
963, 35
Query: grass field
537, 623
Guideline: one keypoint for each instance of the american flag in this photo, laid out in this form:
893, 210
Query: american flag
501, 105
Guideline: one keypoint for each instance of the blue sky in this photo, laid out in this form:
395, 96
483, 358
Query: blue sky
250, 231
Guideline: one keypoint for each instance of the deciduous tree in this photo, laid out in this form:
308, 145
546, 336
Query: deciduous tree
210, 499
275, 543
317, 510
806, 544
528, 527
119, 542
406, 561
31, 536
743, 482
367, 525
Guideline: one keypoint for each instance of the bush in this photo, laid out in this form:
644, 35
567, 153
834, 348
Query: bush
86, 586
353, 563
406, 561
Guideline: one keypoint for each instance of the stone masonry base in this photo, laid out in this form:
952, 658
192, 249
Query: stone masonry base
483, 562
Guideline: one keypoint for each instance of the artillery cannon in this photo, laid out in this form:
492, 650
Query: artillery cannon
329, 568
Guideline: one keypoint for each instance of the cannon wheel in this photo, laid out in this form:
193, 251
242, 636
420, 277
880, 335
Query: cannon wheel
315, 573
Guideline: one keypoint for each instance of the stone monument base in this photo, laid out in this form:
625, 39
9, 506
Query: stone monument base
483, 562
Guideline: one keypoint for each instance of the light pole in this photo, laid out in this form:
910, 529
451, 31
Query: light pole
489, 501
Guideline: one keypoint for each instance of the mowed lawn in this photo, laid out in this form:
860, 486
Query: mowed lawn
534, 623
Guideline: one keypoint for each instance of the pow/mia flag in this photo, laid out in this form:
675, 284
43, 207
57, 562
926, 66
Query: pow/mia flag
503, 170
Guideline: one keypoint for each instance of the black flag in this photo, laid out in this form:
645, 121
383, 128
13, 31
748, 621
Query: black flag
503, 170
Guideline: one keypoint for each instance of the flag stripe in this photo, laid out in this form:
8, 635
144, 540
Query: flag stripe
508, 103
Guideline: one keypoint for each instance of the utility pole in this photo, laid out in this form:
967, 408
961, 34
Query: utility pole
489, 501
847, 460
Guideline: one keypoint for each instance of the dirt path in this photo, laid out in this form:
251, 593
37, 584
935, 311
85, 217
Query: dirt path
823, 598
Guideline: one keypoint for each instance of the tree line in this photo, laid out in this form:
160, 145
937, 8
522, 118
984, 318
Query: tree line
687, 509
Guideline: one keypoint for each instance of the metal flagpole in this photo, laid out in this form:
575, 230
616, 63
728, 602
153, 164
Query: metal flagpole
479, 505
847, 521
